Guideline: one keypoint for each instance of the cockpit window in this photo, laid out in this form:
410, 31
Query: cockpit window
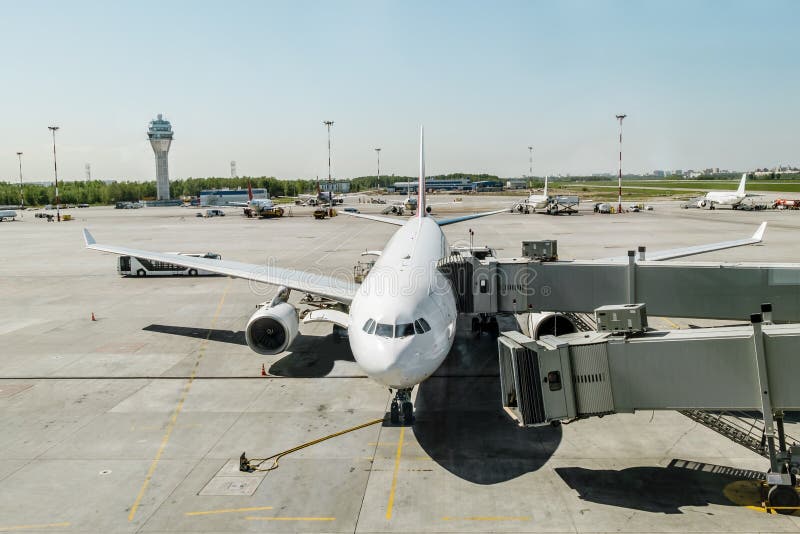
369, 325
385, 330
404, 330
421, 326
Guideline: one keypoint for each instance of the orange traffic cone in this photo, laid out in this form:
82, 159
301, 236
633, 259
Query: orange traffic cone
93, 319
263, 371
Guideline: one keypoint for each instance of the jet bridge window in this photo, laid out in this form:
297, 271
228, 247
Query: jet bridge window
369, 326
404, 330
421, 326
385, 330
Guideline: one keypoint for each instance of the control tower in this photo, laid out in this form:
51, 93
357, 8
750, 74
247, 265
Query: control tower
160, 135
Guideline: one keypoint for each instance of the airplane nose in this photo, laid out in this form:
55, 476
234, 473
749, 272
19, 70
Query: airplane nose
391, 364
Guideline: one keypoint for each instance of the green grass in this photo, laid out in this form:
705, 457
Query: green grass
688, 186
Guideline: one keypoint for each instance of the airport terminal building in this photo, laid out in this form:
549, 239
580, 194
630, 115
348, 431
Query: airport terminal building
462, 184
224, 197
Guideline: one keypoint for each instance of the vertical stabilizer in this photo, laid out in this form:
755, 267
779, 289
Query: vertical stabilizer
421, 207
545, 185
740, 191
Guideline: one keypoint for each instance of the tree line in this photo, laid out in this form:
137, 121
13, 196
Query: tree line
102, 192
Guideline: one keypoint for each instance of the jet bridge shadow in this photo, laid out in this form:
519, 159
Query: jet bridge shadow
310, 357
664, 489
460, 423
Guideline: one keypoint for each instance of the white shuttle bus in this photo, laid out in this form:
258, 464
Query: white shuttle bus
132, 266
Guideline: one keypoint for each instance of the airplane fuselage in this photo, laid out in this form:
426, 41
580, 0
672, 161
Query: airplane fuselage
403, 318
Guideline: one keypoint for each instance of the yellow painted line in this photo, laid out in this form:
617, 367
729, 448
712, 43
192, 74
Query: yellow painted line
257, 518
230, 510
396, 470
673, 324
177, 411
488, 518
33, 527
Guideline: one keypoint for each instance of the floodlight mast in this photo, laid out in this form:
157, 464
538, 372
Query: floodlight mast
54, 129
378, 152
330, 185
21, 192
530, 162
619, 176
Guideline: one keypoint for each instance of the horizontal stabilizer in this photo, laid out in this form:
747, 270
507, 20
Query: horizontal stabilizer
445, 222
387, 220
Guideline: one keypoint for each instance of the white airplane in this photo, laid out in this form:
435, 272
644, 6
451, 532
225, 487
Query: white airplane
535, 202
725, 198
401, 321
259, 206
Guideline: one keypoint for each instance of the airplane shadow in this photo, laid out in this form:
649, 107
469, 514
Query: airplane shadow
460, 423
657, 489
223, 336
310, 357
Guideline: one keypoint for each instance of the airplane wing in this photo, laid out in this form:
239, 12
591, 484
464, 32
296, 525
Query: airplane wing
387, 220
674, 253
315, 284
453, 220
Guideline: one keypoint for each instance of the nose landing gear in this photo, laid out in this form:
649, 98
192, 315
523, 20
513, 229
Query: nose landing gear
402, 409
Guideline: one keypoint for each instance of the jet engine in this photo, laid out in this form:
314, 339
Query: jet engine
701, 203
428, 209
549, 324
272, 329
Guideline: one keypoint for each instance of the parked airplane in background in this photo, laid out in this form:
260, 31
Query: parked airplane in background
398, 207
260, 207
725, 198
535, 202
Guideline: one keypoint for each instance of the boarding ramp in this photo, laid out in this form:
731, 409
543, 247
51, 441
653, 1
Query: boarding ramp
536, 281
716, 376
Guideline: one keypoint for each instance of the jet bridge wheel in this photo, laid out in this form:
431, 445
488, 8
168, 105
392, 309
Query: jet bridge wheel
784, 498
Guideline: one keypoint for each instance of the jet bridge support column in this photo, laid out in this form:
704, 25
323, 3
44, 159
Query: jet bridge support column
763, 381
631, 293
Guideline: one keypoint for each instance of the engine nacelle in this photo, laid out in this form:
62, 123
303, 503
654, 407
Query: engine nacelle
428, 209
549, 324
701, 203
272, 329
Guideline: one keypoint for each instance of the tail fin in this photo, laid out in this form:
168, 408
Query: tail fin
545, 184
249, 191
740, 191
421, 207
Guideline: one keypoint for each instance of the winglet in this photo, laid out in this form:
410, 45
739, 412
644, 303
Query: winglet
88, 238
759, 235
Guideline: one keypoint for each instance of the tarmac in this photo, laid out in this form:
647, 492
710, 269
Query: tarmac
135, 421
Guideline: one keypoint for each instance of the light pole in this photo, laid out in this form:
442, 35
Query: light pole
619, 177
54, 129
530, 162
378, 152
330, 185
21, 193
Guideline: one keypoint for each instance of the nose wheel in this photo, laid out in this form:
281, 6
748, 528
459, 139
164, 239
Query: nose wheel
402, 409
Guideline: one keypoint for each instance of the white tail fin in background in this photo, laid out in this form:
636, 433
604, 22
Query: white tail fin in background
545, 185
740, 191
421, 211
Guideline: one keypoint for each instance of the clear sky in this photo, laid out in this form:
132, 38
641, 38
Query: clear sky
704, 83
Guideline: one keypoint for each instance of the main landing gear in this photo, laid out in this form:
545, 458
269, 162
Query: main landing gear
487, 324
402, 409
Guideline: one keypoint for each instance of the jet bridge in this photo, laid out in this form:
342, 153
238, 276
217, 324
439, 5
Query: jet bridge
744, 368
536, 280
